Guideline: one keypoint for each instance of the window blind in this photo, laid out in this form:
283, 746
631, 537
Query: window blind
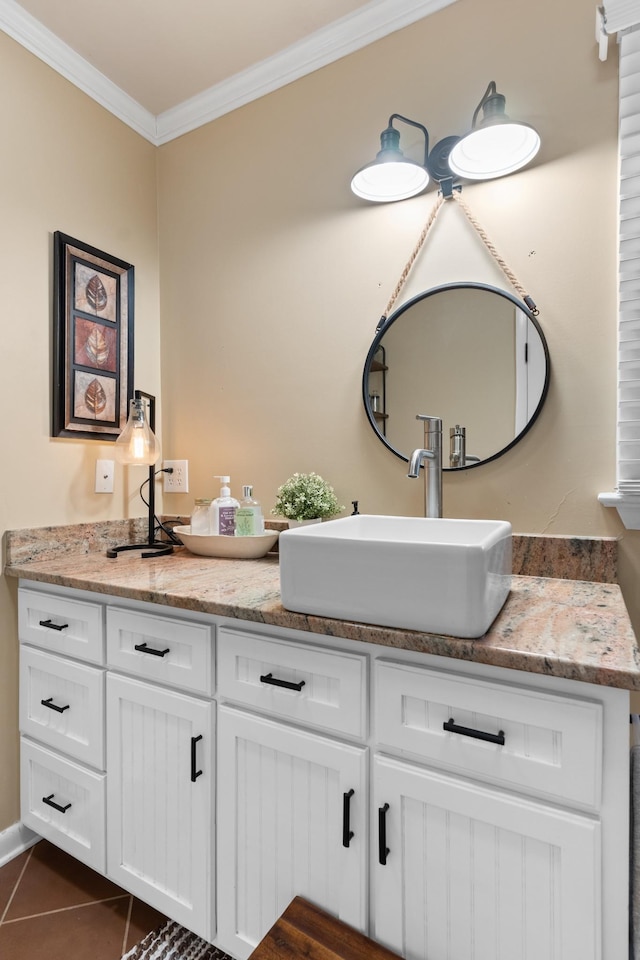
628, 436
621, 14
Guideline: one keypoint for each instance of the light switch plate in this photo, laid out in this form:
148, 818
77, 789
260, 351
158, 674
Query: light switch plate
104, 476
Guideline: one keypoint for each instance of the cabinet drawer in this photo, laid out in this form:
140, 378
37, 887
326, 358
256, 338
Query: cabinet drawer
172, 651
77, 821
62, 704
552, 743
331, 683
61, 625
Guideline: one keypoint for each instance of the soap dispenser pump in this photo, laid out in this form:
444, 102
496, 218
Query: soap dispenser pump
223, 509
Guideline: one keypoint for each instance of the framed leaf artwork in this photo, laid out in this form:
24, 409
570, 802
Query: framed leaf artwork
92, 341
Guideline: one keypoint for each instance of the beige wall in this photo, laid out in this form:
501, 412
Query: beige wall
272, 277
65, 164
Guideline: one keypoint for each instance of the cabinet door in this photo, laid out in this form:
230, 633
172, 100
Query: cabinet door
281, 831
472, 872
159, 799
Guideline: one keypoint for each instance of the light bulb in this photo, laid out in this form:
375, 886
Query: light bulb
388, 180
137, 443
494, 151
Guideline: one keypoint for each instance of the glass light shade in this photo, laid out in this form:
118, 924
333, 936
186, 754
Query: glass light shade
137, 443
385, 180
494, 150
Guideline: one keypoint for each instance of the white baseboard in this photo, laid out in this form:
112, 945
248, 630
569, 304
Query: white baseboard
15, 840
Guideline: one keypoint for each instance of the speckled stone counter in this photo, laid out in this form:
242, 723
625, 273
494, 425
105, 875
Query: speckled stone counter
577, 629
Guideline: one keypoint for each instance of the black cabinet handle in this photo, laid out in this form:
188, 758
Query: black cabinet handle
54, 706
56, 806
383, 849
50, 625
269, 678
194, 773
347, 832
476, 734
143, 648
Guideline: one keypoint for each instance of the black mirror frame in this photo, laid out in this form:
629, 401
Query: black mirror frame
384, 327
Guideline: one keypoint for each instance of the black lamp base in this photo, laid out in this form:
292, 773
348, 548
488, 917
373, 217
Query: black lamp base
155, 549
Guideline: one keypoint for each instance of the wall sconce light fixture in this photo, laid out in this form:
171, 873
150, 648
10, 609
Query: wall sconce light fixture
138, 444
495, 147
391, 176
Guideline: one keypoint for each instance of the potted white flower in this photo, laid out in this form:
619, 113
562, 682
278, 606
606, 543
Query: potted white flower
306, 497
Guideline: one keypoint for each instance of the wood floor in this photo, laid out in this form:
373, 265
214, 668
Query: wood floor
52, 907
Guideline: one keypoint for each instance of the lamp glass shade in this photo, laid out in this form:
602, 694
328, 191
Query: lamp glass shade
137, 443
385, 180
494, 150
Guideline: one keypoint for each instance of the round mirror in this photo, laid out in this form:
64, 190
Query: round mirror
469, 353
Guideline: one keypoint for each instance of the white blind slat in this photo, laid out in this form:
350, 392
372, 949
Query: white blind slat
621, 14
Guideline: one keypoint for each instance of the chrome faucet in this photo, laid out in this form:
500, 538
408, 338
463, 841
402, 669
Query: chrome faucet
431, 456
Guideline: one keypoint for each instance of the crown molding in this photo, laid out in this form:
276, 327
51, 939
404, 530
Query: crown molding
31, 34
372, 22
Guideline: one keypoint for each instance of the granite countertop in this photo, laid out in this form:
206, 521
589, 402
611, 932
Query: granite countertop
573, 628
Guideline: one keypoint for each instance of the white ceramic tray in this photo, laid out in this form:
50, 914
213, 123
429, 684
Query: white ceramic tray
234, 548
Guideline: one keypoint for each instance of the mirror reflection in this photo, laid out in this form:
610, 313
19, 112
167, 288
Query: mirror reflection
469, 353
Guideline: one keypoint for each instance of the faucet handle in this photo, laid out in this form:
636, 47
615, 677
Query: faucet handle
435, 423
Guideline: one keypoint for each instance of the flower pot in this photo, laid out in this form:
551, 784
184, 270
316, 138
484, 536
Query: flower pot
303, 523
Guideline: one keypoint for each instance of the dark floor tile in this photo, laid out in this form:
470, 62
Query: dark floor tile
93, 932
143, 919
53, 880
9, 876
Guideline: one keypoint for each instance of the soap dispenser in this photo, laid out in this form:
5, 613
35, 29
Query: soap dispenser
249, 519
223, 510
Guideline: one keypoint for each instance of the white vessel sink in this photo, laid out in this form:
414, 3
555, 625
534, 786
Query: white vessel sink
435, 575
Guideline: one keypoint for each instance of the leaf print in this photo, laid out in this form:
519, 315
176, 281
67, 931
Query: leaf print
96, 347
95, 398
96, 293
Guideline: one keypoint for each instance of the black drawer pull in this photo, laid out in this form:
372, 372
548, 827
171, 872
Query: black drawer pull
269, 678
347, 832
50, 625
476, 734
383, 849
56, 806
194, 773
143, 648
54, 706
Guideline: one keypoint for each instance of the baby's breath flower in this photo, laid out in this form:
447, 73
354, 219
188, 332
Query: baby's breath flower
306, 496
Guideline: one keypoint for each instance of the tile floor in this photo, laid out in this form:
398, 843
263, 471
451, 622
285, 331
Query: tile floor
52, 907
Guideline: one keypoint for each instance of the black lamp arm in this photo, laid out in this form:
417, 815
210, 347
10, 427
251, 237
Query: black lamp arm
489, 92
414, 123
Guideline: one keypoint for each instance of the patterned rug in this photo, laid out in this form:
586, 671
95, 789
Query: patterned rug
173, 942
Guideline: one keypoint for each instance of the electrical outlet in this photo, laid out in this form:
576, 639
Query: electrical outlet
178, 481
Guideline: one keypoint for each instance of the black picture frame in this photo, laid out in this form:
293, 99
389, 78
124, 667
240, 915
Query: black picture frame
92, 341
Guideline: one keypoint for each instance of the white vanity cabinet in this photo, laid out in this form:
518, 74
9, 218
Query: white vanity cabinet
117, 749
160, 798
490, 819
465, 871
62, 778
451, 810
292, 816
160, 757
291, 822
